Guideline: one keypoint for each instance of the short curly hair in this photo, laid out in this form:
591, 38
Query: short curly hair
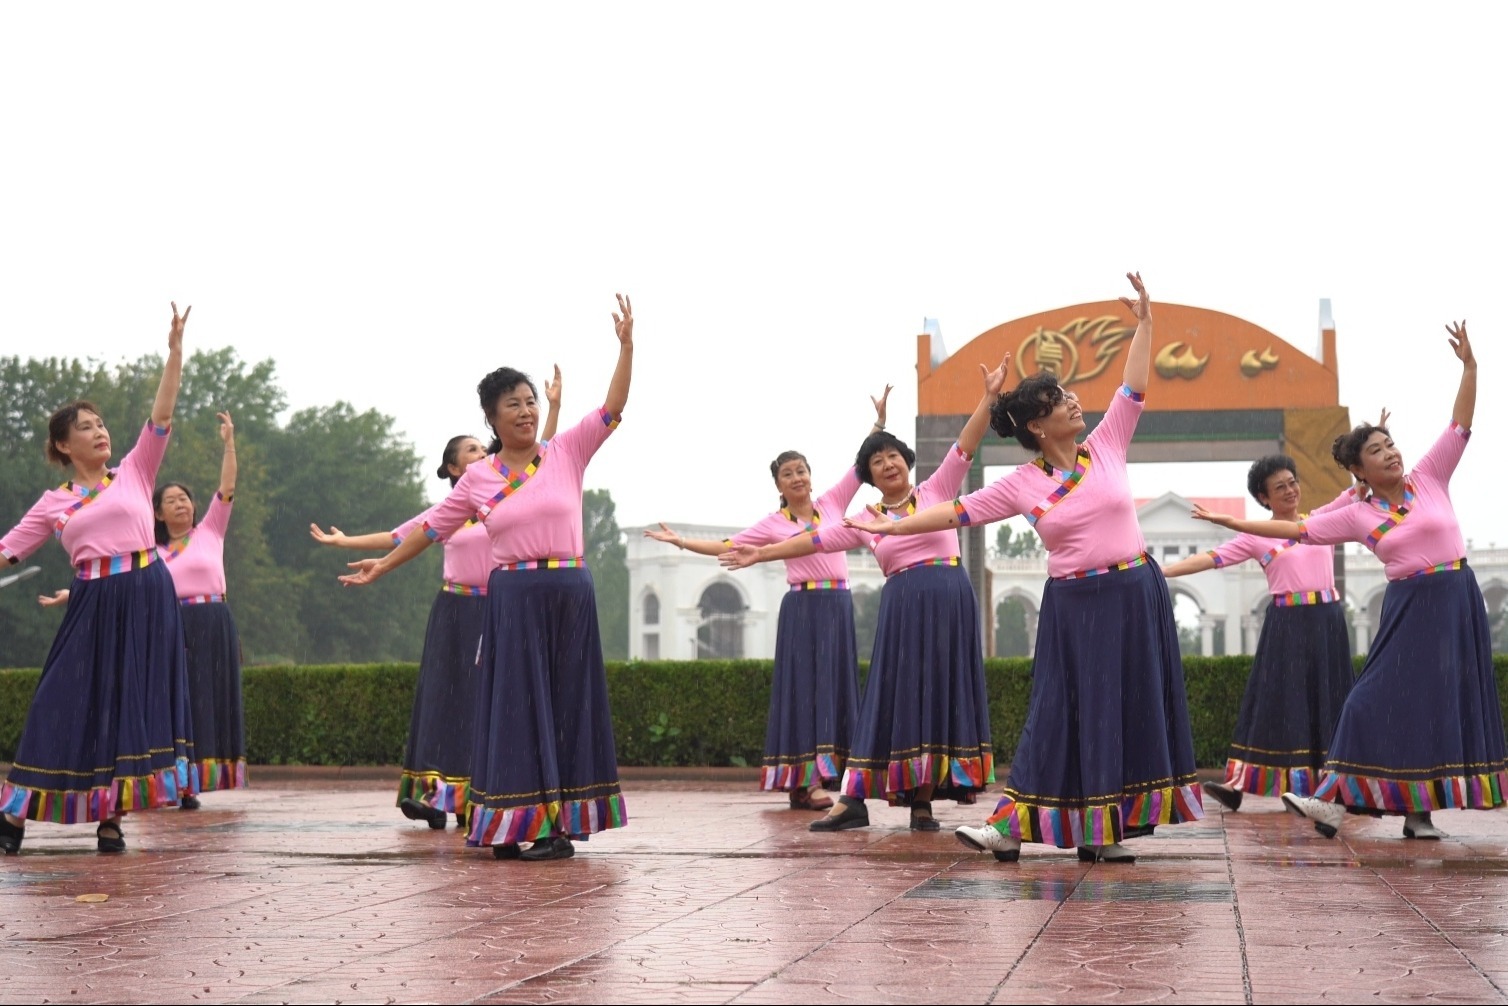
874, 444
1265, 468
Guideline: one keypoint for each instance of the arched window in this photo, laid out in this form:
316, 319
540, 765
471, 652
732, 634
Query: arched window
721, 634
651, 608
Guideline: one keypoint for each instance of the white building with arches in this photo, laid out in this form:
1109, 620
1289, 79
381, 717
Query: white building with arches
685, 606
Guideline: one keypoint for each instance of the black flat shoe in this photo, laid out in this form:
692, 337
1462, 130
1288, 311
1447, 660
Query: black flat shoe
189, 802
416, 811
508, 851
1229, 797
853, 815
558, 847
922, 819
11, 836
461, 821
110, 843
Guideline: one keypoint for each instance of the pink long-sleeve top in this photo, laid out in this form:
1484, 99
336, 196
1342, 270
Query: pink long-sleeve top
782, 524
197, 560
542, 519
1416, 537
1291, 570
112, 518
468, 552
899, 552
1086, 518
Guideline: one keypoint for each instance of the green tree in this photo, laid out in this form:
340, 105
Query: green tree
1010, 544
1011, 639
607, 558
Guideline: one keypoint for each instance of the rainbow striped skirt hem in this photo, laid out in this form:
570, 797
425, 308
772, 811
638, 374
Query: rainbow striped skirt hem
162, 788
1096, 823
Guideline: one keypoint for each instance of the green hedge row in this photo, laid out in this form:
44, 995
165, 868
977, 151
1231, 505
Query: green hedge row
709, 712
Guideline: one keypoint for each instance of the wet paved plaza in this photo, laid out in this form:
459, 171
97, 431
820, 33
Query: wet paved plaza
312, 888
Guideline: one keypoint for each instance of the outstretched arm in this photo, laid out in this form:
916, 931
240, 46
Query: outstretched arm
337, 538
701, 546
740, 556
1466, 394
1263, 528
172, 371
938, 517
552, 395
1139, 354
368, 570
617, 391
972, 434
228, 459
1193, 564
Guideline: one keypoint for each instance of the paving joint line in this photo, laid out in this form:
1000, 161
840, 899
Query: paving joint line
1235, 904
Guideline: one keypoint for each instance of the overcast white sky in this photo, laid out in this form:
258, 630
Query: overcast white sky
390, 200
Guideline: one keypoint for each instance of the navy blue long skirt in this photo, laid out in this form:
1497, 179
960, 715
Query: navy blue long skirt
215, 708
437, 757
924, 717
1106, 745
544, 762
814, 697
1422, 729
1299, 681
108, 730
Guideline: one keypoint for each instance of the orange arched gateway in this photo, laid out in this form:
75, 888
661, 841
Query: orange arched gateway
1221, 389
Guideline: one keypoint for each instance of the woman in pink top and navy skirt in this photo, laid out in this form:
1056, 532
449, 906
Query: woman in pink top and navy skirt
194, 553
1301, 673
1106, 751
814, 693
544, 766
108, 729
924, 720
436, 777
1421, 730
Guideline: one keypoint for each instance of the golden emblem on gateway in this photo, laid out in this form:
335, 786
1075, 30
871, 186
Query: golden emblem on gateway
1075, 352
1177, 359
1253, 363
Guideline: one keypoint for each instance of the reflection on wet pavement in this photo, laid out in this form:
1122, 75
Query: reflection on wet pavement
300, 891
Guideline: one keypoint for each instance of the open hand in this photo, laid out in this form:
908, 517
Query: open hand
367, 570
61, 597
1460, 344
624, 324
332, 537
175, 333
1200, 513
994, 380
666, 535
1142, 306
739, 556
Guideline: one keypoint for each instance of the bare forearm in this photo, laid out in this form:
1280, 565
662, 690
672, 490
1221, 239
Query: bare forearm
972, 434
791, 548
1193, 564
167, 389
702, 546
377, 539
551, 421
228, 471
409, 549
617, 391
938, 517
1139, 357
1268, 528
1466, 397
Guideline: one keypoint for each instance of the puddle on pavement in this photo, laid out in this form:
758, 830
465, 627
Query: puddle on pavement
1070, 888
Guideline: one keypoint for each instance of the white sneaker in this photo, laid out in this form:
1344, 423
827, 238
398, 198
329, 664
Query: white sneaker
1420, 826
1327, 816
987, 839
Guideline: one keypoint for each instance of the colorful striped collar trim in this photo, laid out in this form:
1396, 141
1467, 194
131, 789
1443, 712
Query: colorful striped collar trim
908, 507
1069, 484
811, 525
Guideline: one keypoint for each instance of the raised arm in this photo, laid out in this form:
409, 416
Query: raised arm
552, 395
227, 459
337, 538
1466, 394
1193, 564
172, 371
617, 391
972, 434
879, 410
701, 546
1139, 353
1263, 528
368, 570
